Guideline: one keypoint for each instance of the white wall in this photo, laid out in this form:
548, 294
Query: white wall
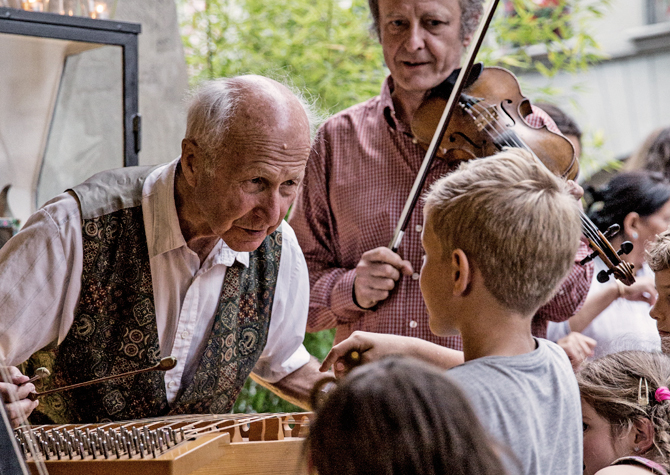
626, 96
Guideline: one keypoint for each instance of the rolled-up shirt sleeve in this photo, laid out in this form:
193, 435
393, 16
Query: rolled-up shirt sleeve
284, 352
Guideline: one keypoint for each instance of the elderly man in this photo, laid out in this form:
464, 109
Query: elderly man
360, 174
190, 259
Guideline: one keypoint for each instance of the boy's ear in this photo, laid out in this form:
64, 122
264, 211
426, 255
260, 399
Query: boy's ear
644, 435
461, 272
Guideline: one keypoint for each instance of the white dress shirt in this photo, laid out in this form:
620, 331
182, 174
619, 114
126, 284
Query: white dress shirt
40, 281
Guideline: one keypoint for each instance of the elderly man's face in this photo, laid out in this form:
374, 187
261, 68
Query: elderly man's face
257, 179
421, 41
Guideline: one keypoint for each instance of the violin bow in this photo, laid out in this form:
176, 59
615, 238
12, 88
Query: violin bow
441, 129
621, 269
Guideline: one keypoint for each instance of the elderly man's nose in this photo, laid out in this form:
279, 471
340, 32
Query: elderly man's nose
270, 206
415, 38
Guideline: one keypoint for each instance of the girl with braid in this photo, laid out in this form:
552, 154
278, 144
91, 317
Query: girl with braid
626, 414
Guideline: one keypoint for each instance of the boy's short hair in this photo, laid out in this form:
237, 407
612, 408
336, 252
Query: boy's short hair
516, 222
658, 252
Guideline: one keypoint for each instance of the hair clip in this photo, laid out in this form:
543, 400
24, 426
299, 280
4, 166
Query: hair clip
643, 401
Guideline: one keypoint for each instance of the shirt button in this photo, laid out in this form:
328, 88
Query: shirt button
415, 141
171, 384
184, 334
418, 228
412, 324
415, 276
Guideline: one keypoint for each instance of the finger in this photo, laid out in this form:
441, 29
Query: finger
14, 375
336, 353
650, 297
377, 283
17, 412
384, 272
406, 268
11, 392
387, 256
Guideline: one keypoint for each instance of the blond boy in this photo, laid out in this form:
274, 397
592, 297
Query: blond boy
500, 235
658, 258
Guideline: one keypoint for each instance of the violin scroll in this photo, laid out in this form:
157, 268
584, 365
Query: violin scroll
620, 269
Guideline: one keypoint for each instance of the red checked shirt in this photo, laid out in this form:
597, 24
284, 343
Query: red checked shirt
357, 180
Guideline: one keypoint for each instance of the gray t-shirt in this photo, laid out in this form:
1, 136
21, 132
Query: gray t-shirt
531, 404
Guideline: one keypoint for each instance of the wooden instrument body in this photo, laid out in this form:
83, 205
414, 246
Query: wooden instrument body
229, 444
493, 121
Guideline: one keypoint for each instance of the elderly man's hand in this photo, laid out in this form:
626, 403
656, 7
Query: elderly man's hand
16, 390
376, 275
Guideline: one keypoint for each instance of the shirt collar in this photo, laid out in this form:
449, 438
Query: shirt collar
386, 103
162, 223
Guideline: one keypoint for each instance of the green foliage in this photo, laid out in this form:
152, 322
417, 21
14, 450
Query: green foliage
324, 47
255, 398
528, 37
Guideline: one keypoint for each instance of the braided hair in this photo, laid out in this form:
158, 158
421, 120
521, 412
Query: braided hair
611, 385
641, 191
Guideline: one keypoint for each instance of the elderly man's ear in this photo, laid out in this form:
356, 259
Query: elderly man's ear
189, 160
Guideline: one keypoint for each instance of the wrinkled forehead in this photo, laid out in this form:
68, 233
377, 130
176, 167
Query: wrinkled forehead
268, 104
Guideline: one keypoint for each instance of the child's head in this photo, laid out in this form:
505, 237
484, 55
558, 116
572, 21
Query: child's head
399, 416
658, 258
515, 221
624, 411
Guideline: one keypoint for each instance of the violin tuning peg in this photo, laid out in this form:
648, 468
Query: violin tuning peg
612, 231
603, 276
588, 258
626, 247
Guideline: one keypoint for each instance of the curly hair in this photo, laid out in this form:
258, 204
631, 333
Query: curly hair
658, 252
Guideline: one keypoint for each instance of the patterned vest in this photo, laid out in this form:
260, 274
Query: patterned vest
114, 328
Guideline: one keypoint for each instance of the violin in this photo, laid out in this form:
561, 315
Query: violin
478, 118
489, 116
